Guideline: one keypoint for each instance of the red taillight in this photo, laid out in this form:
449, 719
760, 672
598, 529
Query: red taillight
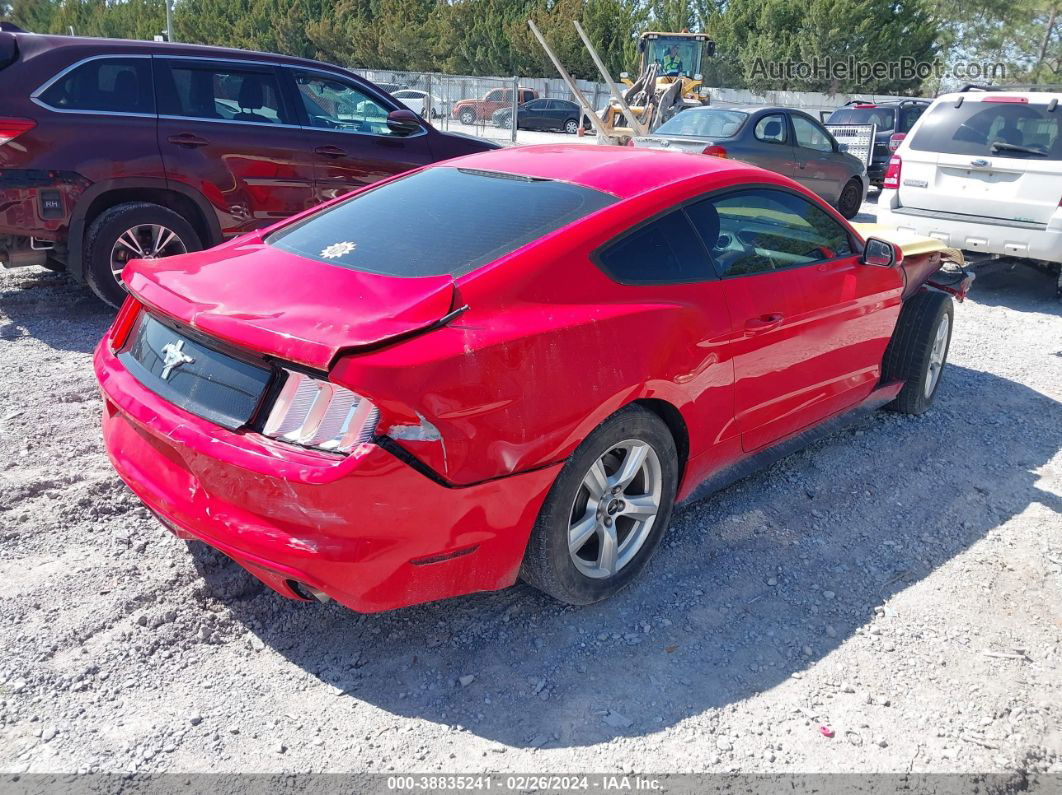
1016, 100
892, 174
630, 141
715, 151
894, 141
10, 129
123, 324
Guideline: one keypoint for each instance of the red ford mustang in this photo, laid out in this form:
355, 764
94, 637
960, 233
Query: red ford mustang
509, 365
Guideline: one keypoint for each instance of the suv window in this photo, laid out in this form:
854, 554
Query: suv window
226, 92
761, 230
810, 135
112, 85
494, 96
991, 129
664, 251
909, 115
884, 118
337, 105
506, 212
771, 129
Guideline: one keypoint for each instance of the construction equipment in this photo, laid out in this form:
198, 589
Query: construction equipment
669, 80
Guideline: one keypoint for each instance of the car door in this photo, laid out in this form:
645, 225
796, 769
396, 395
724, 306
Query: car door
802, 349
226, 130
767, 143
819, 167
345, 131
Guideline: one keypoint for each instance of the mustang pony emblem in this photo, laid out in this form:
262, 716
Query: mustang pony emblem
173, 356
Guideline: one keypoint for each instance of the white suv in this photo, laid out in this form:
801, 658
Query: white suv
982, 171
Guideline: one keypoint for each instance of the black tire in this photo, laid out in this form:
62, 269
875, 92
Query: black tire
571, 126
548, 565
112, 223
467, 116
851, 199
910, 351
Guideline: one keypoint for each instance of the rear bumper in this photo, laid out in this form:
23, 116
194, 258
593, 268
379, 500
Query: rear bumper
365, 529
986, 236
39, 204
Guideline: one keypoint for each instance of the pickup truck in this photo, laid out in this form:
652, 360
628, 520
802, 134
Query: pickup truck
470, 111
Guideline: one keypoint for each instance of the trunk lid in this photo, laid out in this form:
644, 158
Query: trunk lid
289, 307
677, 143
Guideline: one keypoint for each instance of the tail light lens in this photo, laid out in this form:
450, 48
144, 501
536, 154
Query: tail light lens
894, 141
892, 174
10, 129
715, 151
630, 142
314, 413
124, 322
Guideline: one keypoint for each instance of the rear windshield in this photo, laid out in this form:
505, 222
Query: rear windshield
883, 117
704, 123
995, 129
438, 221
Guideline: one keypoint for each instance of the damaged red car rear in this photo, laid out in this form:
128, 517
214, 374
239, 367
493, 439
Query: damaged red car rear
508, 365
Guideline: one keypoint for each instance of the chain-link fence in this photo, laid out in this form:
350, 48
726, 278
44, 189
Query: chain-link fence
485, 106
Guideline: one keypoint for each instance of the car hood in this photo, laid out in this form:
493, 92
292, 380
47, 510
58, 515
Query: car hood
279, 304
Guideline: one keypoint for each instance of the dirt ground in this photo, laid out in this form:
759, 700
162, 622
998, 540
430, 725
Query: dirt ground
899, 583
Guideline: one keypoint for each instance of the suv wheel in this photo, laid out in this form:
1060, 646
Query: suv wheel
607, 510
851, 199
137, 230
468, 116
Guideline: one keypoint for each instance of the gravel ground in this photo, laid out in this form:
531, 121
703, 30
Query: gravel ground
899, 583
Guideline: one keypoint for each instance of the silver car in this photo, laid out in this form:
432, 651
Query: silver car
783, 140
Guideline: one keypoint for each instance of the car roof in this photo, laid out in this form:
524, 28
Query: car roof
38, 42
620, 170
980, 96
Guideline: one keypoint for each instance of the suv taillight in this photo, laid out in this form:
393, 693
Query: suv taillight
894, 141
892, 174
10, 129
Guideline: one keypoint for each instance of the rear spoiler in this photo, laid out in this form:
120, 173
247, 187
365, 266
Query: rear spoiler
8, 48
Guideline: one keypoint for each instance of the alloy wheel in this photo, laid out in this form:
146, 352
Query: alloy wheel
144, 241
615, 508
936, 355
571, 127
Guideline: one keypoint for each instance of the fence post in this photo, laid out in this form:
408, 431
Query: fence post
429, 103
512, 119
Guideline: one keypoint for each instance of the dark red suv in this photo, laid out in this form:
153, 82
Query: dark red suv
113, 150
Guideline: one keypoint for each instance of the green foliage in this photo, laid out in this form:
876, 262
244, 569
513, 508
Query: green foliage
492, 37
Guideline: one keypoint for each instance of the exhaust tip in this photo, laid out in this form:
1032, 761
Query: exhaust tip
308, 594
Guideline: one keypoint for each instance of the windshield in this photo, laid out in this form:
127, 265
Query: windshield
991, 129
675, 57
882, 117
437, 221
704, 123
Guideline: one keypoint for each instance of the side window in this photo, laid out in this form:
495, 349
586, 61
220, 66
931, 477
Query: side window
497, 95
908, 116
771, 129
761, 230
215, 91
337, 105
114, 85
526, 94
535, 105
664, 251
810, 135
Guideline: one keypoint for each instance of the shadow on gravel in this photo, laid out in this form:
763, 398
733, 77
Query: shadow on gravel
1015, 285
749, 587
54, 309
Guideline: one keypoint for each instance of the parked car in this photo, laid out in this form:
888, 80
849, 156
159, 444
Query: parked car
427, 105
385, 419
982, 171
894, 119
470, 111
542, 114
782, 140
112, 150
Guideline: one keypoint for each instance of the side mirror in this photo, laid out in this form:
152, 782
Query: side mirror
404, 122
879, 252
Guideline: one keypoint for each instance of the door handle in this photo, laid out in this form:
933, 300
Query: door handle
187, 140
758, 325
330, 151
